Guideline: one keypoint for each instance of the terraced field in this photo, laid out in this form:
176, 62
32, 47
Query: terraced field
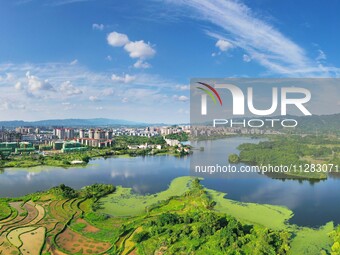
33, 228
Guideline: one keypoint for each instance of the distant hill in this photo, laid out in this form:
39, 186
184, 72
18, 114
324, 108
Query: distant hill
317, 123
72, 123
313, 124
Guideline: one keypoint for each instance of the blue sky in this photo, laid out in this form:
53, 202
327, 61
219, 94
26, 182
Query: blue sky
130, 59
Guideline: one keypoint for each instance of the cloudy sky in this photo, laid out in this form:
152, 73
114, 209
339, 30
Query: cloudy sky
131, 59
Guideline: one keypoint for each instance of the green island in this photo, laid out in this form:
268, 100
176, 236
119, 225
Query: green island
184, 219
293, 150
124, 146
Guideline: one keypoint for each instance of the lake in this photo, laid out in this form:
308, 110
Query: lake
313, 204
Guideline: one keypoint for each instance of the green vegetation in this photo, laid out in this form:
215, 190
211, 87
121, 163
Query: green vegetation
124, 141
304, 241
93, 191
5, 210
208, 233
119, 149
233, 158
312, 241
196, 229
295, 150
182, 137
335, 235
64, 191
185, 219
125, 203
98, 190
270, 216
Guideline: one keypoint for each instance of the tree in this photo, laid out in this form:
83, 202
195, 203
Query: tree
233, 158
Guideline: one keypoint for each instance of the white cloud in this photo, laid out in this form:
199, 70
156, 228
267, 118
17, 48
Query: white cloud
7, 104
107, 92
246, 58
94, 98
68, 89
125, 79
182, 87
143, 96
143, 93
322, 56
139, 49
35, 84
74, 62
18, 86
64, 2
141, 64
223, 45
96, 26
117, 39
181, 98
9, 77
4, 105
265, 44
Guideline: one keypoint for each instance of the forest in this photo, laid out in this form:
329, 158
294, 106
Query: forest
292, 150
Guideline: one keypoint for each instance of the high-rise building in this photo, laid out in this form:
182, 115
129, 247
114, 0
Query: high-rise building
109, 135
99, 134
91, 133
10, 136
69, 133
82, 133
60, 133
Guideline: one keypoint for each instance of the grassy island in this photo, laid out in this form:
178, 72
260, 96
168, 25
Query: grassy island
295, 151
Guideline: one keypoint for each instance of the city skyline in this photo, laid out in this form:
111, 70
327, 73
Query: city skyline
134, 61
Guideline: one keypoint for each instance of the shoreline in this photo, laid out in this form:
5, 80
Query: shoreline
129, 205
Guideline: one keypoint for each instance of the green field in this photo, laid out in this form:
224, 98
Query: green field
184, 219
124, 203
270, 216
5, 210
312, 241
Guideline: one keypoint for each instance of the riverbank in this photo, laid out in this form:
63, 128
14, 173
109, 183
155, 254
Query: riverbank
305, 240
121, 221
82, 158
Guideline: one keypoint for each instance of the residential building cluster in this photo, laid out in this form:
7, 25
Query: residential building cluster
66, 139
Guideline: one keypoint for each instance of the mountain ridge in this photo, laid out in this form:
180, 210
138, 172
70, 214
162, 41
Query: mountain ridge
73, 122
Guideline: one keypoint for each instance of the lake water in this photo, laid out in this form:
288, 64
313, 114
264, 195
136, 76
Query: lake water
313, 204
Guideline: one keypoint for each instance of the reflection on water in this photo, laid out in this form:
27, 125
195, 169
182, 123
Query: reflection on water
314, 202
142, 174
